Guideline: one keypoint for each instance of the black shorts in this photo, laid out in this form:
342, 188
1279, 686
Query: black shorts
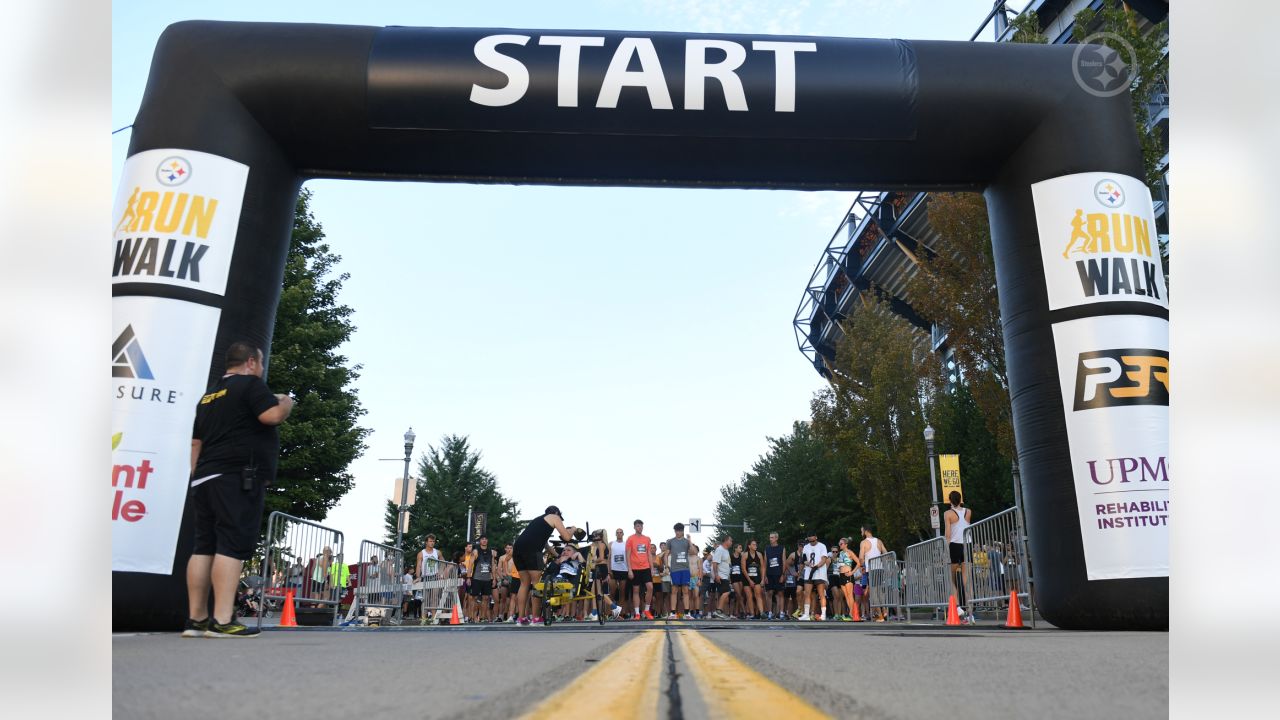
642, 576
619, 575
481, 588
750, 581
226, 519
528, 559
838, 580
957, 553
789, 591
721, 587
773, 583
600, 572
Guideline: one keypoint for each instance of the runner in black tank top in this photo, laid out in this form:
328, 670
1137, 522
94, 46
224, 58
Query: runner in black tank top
752, 582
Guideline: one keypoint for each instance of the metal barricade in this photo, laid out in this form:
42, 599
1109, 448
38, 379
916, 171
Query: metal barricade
305, 557
438, 585
996, 563
926, 567
884, 582
378, 581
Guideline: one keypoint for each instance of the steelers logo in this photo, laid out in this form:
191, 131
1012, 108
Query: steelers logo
173, 171
1109, 193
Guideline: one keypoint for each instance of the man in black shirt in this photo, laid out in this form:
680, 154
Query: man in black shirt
234, 444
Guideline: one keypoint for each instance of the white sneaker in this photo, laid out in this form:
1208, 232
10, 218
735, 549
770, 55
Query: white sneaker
617, 610
671, 616
805, 617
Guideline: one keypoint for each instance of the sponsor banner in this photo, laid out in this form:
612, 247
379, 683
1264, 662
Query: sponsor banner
175, 219
1098, 240
159, 368
1114, 372
949, 471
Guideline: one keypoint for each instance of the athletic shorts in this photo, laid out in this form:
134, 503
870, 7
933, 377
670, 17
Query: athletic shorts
817, 580
679, 578
666, 585
789, 591
528, 559
721, 587
619, 575
957, 553
859, 590
838, 580
642, 576
481, 588
226, 519
863, 580
600, 572
773, 583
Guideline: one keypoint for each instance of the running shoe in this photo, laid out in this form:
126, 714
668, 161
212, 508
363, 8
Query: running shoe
195, 628
717, 615
636, 616
805, 617
536, 621
672, 616
796, 614
233, 629
524, 622
648, 615
594, 616
617, 610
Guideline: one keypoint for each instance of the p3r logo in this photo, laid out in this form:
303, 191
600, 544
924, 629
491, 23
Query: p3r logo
1125, 376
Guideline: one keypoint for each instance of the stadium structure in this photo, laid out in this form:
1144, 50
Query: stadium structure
876, 250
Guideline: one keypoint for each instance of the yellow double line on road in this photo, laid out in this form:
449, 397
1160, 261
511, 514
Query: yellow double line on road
626, 683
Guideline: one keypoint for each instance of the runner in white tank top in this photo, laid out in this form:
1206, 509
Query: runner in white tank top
869, 549
958, 518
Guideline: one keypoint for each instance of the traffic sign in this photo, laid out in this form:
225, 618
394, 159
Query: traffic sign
695, 525
933, 516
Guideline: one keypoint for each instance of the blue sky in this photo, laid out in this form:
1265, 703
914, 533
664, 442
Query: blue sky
620, 352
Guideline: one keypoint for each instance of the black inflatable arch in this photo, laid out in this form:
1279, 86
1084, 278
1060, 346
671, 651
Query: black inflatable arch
294, 102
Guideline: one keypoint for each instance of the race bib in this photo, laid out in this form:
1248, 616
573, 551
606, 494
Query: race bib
641, 549
773, 562
752, 571
618, 559
682, 558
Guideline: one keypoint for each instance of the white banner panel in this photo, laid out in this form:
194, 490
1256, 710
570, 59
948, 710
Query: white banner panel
155, 385
1115, 392
1098, 240
175, 219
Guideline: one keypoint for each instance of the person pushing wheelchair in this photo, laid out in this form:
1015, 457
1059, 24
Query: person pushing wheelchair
528, 556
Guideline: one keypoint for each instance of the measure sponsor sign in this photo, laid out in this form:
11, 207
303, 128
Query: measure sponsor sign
1098, 240
1114, 373
155, 385
175, 219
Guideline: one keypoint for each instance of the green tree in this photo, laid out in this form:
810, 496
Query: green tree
321, 437
1026, 29
985, 472
797, 486
957, 290
451, 480
873, 415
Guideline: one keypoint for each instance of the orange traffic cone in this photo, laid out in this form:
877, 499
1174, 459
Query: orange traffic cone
856, 616
453, 616
953, 615
287, 618
1015, 612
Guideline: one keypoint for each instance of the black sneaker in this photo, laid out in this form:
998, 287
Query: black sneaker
233, 629
195, 628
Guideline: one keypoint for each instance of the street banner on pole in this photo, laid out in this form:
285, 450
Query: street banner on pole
413, 491
479, 524
949, 468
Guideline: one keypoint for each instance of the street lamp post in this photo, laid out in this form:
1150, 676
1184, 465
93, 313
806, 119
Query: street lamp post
404, 487
933, 481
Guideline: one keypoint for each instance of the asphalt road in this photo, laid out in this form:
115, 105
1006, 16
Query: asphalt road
646, 669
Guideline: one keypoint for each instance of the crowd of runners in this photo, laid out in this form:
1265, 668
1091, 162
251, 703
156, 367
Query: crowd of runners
638, 579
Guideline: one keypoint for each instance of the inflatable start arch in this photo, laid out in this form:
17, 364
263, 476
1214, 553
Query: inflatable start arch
237, 115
